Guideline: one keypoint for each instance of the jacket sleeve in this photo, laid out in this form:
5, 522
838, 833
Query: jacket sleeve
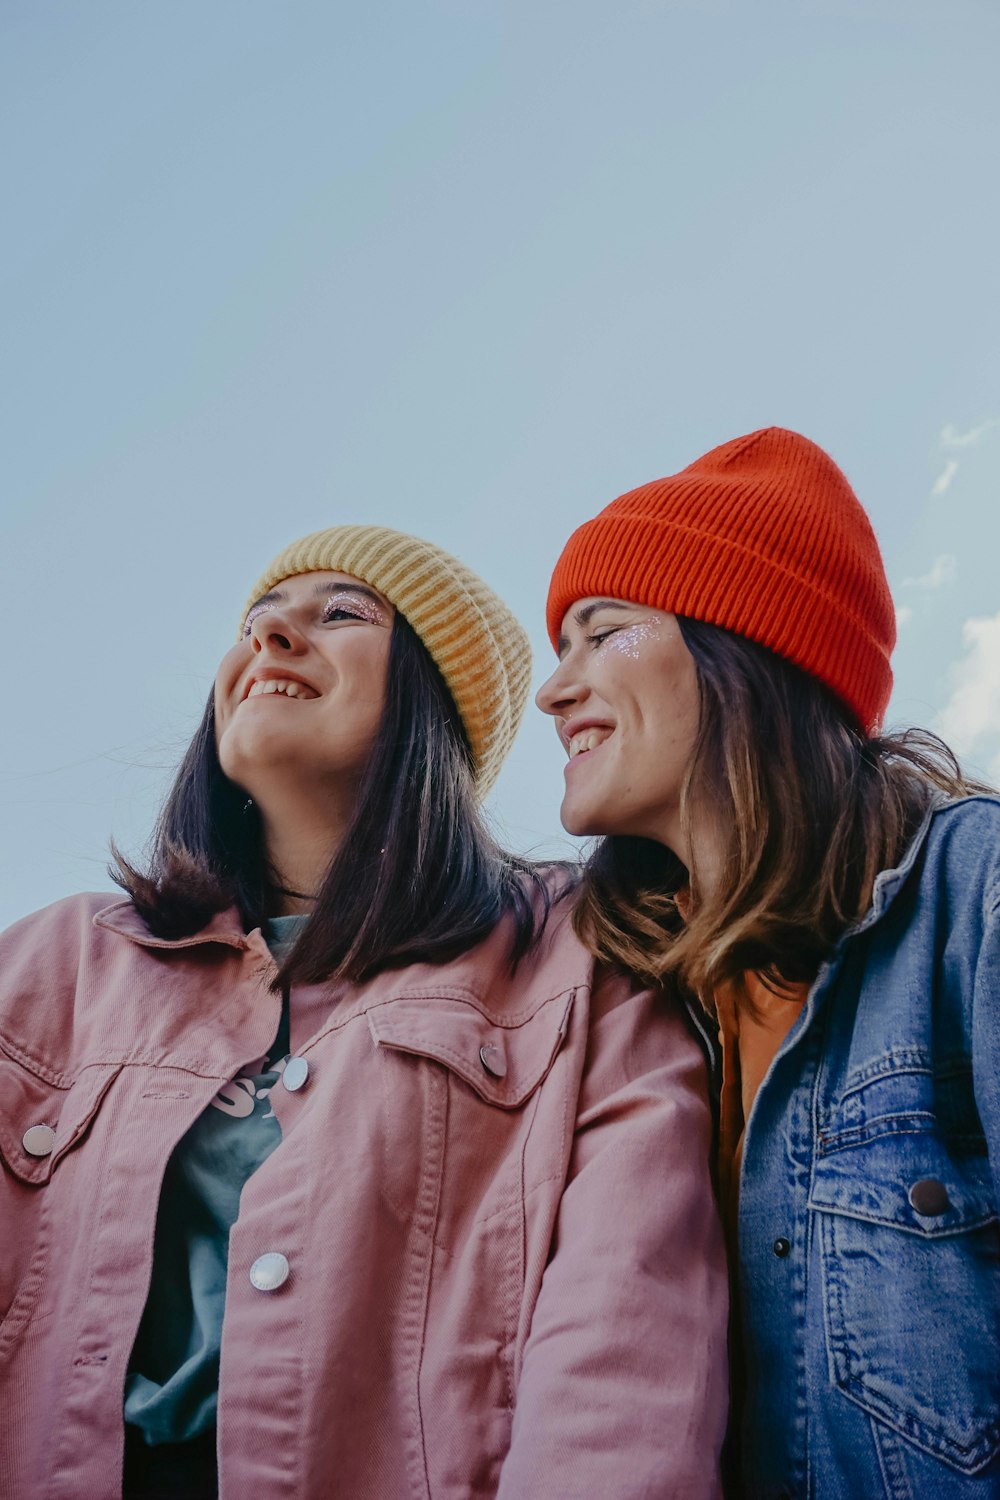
623, 1387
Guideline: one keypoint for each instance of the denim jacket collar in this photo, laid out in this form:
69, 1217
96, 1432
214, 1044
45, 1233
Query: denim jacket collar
889, 882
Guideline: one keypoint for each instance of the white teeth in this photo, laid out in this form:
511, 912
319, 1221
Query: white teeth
587, 739
284, 685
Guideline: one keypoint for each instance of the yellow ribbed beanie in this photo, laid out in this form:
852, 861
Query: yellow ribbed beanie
479, 648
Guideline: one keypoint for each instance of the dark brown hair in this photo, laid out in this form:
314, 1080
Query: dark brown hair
807, 811
418, 877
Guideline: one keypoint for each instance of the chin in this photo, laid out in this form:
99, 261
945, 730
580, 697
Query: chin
582, 822
257, 760
597, 822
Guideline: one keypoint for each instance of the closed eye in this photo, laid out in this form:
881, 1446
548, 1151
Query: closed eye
339, 612
346, 604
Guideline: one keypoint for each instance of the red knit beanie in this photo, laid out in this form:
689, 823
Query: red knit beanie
763, 536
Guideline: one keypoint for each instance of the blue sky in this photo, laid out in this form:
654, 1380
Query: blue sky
470, 270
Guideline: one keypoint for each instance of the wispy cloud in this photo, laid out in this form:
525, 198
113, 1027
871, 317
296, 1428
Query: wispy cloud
943, 482
952, 438
970, 720
943, 570
904, 614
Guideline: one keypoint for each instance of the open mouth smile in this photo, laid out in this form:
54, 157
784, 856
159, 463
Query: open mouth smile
585, 739
287, 687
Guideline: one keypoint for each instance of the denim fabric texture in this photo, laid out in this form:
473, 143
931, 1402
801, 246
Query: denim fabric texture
872, 1338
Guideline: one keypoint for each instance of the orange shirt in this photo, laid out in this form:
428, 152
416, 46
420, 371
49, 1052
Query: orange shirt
749, 1040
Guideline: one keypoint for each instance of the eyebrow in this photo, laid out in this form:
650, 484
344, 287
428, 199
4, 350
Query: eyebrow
585, 614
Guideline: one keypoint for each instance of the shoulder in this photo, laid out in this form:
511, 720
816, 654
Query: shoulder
68, 923
42, 959
963, 846
550, 885
617, 999
642, 1024
968, 816
48, 947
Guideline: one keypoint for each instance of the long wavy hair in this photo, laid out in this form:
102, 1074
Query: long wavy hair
417, 878
807, 809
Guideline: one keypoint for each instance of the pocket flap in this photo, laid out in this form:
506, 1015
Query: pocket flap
874, 1181
46, 1115
503, 1060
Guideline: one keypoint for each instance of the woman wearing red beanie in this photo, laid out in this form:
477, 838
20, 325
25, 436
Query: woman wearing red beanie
826, 899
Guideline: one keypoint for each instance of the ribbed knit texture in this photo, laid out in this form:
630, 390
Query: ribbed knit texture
481, 651
763, 536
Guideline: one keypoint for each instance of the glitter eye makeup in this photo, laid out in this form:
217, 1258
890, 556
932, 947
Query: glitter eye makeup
252, 613
630, 639
346, 601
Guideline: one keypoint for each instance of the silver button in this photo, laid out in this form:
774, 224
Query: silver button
269, 1271
39, 1140
296, 1074
493, 1061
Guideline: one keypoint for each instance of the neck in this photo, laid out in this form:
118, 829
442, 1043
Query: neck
704, 857
301, 839
699, 847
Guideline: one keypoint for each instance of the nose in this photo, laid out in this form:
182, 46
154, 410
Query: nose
275, 630
562, 692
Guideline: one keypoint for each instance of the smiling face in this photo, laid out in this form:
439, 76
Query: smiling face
299, 700
626, 704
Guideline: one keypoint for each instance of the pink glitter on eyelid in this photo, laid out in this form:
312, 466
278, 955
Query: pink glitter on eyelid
361, 606
257, 609
629, 640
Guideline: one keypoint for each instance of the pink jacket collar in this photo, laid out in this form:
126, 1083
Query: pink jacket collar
224, 927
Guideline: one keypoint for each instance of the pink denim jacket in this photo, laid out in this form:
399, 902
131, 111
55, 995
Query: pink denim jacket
505, 1266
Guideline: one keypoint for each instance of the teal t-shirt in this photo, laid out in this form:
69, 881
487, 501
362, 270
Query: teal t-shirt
171, 1390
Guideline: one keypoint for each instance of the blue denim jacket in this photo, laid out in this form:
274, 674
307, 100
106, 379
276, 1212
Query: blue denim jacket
871, 1306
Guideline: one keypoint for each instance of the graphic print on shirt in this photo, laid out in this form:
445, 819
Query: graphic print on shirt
249, 1089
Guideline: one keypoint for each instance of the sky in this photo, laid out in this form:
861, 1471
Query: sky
470, 270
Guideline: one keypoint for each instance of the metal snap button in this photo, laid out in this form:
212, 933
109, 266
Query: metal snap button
781, 1247
493, 1061
296, 1074
269, 1271
928, 1198
38, 1140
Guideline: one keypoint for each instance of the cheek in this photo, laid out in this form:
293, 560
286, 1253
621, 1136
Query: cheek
219, 701
225, 682
676, 728
358, 705
663, 705
375, 671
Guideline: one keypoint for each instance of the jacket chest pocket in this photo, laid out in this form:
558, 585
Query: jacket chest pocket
475, 1079
41, 1119
910, 1246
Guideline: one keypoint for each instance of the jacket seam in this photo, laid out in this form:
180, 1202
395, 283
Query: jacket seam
508, 1020
512, 1094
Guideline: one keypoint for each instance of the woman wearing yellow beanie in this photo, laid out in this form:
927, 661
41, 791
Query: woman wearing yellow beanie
827, 900
324, 1156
